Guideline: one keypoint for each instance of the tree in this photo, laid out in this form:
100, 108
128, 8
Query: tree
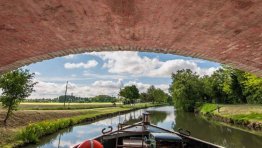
144, 97
160, 96
186, 89
219, 84
227, 85
16, 86
237, 86
154, 95
130, 92
253, 89
170, 100
150, 92
207, 89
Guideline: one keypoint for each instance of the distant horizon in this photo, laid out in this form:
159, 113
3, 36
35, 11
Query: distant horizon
104, 73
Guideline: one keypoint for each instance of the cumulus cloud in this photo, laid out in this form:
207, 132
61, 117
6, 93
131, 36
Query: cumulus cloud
172, 66
37, 73
65, 143
88, 64
129, 62
111, 84
126, 62
71, 56
51, 90
120, 65
87, 74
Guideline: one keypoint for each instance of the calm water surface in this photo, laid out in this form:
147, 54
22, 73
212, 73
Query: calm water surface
165, 117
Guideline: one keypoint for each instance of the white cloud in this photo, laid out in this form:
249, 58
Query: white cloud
65, 143
172, 66
126, 62
71, 56
88, 64
129, 62
73, 75
51, 90
63, 79
89, 75
37, 73
111, 84
126, 65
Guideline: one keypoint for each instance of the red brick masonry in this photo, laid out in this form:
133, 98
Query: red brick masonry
226, 31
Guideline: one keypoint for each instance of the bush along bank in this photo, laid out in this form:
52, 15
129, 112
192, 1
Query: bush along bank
34, 131
252, 121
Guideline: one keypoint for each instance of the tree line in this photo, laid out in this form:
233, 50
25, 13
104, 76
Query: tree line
155, 95
75, 99
226, 86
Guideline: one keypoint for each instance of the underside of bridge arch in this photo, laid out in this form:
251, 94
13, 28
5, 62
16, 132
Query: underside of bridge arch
225, 31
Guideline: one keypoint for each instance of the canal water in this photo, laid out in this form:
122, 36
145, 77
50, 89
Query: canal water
166, 117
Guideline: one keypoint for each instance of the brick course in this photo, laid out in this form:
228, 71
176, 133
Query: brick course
225, 31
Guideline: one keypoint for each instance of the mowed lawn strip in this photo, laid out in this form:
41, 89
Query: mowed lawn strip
245, 112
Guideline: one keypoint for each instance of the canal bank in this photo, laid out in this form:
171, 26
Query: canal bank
166, 117
247, 116
31, 133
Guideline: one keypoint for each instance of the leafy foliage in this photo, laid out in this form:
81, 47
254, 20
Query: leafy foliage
186, 89
226, 85
144, 97
16, 86
160, 96
33, 132
155, 95
253, 89
131, 93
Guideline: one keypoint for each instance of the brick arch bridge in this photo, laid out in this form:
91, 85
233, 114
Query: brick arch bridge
225, 31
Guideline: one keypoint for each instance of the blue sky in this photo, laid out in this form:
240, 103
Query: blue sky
95, 73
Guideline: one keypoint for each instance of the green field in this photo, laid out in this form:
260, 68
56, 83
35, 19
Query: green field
60, 106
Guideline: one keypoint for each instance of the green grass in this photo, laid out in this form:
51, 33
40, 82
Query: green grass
32, 132
60, 106
208, 108
247, 117
245, 112
238, 114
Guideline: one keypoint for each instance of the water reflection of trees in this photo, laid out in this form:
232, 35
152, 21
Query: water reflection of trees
215, 133
157, 116
131, 118
47, 139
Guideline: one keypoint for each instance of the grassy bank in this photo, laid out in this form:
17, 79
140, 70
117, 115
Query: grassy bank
249, 116
60, 106
31, 132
